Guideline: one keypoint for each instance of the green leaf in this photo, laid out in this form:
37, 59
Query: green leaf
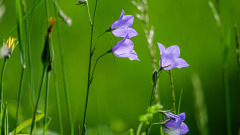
27, 123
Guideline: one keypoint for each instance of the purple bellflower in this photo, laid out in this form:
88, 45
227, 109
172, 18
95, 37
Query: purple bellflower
121, 27
170, 57
175, 125
124, 49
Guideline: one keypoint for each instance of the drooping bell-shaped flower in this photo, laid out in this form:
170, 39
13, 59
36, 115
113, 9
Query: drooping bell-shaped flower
175, 124
124, 49
121, 27
170, 57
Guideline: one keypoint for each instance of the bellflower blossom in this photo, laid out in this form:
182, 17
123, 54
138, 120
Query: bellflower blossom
175, 125
121, 27
124, 49
170, 57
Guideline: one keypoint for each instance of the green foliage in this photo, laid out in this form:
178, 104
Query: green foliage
27, 123
147, 118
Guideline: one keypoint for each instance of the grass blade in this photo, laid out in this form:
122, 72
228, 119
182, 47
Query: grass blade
69, 112
179, 102
27, 123
200, 106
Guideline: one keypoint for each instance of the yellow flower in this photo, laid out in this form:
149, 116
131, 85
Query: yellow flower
11, 43
8, 47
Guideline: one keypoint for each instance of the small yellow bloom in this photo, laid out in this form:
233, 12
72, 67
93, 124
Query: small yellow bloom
8, 47
11, 43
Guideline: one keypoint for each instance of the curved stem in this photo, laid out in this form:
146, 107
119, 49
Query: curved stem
1, 85
172, 89
38, 98
46, 103
19, 97
96, 42
96, 64
89, 68
69, 112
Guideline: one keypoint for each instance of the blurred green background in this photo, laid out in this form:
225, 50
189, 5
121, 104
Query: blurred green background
121, 89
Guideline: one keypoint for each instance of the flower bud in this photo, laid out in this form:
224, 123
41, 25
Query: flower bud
155, 77
84, 2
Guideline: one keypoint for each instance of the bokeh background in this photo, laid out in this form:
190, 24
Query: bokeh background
121, 89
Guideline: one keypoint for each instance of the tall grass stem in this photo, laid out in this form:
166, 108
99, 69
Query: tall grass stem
200, 106
46, 102
89, 70
69, 111
29, 63
38, 98
57, 99
19, 98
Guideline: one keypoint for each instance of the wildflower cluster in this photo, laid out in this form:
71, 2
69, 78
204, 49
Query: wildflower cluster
170, 58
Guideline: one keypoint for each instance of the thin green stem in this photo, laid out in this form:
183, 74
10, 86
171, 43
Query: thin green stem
57, 99
1, 85
172, 90
46, 103
38, 98
96, 64
89, 70
179, 102
96, 42
19, 97
29, 64
69, 111
151, 101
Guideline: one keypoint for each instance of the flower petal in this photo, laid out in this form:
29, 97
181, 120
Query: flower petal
124, 21
182, 116
174, 51
123, 32
173, 65
183, 128
181, 63
161, 48
165, 61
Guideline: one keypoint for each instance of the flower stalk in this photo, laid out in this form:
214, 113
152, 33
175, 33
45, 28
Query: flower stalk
172, 90
1, 85
89, 69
